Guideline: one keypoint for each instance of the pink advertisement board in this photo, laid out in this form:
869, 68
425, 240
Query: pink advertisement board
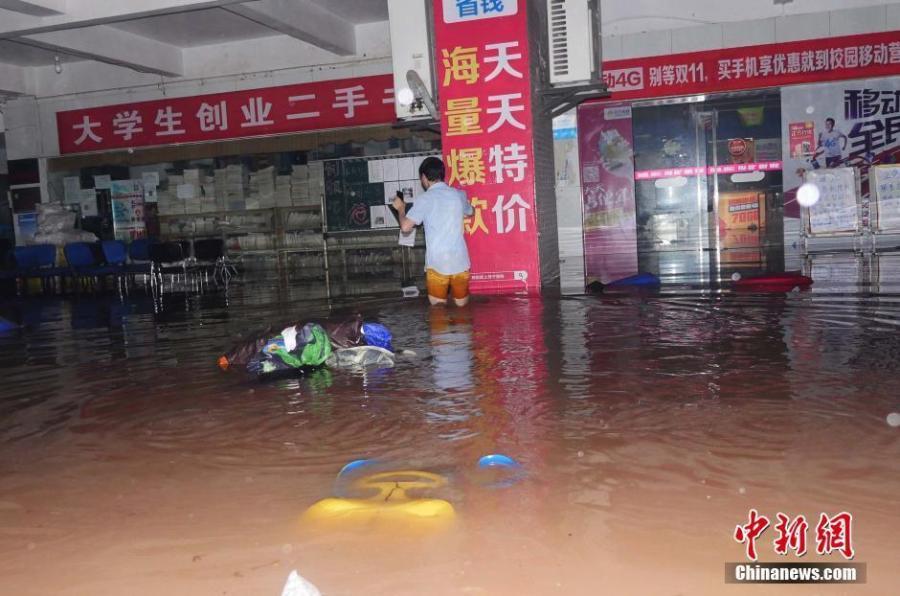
607, 175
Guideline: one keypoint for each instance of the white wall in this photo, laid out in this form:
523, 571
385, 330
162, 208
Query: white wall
871, 19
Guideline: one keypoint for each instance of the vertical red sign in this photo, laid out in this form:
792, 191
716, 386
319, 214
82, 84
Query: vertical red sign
484, 90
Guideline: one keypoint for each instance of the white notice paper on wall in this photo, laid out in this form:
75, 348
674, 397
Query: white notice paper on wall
382, 217
185, 191
72, 187
103, 182
88, 202
836, 211
406, 168
151, 179
391, 169
887, 196
390, 192
376, 170
408, 188
408, 239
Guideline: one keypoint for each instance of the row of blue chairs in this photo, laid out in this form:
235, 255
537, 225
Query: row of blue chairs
163, 265
84, 262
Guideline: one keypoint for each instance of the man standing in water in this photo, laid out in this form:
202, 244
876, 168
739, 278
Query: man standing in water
442, 210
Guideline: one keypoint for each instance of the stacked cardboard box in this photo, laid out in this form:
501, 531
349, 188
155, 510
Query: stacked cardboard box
283, 191
208, 200
191, 191
316, 182
262, 189
234, 188
299, 185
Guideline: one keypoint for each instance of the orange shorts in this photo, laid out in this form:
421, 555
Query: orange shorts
440, 285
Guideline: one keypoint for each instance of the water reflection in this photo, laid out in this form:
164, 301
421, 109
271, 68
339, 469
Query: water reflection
647, 425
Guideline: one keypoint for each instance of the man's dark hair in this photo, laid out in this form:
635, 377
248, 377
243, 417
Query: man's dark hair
432, 168
830, 120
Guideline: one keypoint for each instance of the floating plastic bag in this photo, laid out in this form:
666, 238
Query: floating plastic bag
375, 334
345, 334
297, 585
361, 357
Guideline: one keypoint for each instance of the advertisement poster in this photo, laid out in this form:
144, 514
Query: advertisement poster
802, 139
742, 219
855, 124
128, 209
484, 83
742, 210
742, 150
607, 177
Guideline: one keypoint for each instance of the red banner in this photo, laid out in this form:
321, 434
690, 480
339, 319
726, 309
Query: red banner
486, 134
255, 112
754, 67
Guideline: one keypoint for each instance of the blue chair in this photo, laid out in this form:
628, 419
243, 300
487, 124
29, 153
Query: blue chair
80, 257
139, 250
139, 257
83, 264
38, 261
115, 254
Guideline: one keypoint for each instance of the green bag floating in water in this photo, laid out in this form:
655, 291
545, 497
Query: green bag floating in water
292, 349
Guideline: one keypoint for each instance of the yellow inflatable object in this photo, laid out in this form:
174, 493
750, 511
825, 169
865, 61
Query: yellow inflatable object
390, 503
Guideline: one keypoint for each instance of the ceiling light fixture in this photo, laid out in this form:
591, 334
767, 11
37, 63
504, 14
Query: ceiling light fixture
57, 65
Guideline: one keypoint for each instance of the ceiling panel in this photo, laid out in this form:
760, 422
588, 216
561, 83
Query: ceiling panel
19, 54
197, 28
357, 11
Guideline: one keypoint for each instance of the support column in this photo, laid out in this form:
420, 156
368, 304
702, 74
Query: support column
492, 133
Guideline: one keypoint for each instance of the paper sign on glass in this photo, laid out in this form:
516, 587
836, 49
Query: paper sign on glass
406, 168
390, 192
151, 179
88, 202
391, 169
376, 170
72, 187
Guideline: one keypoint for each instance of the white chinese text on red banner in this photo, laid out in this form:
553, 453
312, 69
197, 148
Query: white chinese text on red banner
254, 112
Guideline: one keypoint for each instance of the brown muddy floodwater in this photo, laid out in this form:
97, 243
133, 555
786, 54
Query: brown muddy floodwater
648, 425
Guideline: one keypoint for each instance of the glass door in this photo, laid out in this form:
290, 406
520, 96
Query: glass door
708, 186
671, 191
